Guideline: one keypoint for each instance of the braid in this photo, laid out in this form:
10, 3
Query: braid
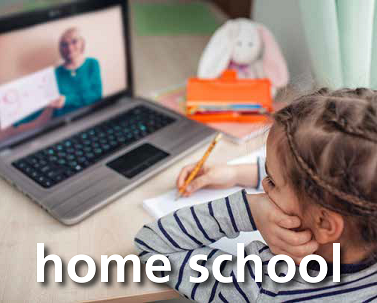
350, 122
364, 205
337, 163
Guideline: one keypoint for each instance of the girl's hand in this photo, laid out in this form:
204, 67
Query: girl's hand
278, 229
210, 176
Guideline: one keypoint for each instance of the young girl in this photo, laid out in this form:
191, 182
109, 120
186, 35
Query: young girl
322, 168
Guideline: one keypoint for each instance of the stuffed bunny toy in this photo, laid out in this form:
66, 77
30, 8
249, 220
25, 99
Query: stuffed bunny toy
247, 47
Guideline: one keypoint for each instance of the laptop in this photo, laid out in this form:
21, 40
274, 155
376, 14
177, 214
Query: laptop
73, 137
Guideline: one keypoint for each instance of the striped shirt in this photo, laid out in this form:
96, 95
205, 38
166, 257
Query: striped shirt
188, 232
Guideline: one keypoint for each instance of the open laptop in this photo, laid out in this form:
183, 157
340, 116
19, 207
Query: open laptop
73, 138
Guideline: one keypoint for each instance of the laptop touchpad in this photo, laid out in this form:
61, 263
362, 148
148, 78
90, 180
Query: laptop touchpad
137, 160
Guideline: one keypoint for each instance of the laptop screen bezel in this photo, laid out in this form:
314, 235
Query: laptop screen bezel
21, 21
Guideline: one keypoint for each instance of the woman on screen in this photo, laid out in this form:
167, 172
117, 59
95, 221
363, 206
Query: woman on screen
79, 78
79, 82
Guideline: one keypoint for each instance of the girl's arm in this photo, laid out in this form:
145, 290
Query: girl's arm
187, 232
224, 176
196, 226
251, 175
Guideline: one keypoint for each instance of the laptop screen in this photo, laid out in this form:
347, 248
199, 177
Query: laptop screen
58, 68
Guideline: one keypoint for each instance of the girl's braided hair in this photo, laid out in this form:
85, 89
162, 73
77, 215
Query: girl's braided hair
332, 139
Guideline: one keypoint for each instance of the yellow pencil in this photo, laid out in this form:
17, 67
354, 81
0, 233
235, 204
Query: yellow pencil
198, 166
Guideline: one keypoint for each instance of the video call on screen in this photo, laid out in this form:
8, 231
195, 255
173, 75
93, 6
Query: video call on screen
56, 68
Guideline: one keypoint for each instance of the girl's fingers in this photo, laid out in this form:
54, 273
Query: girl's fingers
297, 253
183, 175
289, 222
302, 250
197, 183
185, 172
279, 217
293, 238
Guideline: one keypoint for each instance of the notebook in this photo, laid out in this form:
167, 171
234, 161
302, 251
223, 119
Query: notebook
164, 204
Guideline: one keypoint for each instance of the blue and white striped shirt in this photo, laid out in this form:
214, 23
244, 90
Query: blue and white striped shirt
189, 231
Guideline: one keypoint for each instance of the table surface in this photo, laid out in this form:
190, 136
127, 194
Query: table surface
159, 62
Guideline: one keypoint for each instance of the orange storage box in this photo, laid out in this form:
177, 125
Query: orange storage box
225, 91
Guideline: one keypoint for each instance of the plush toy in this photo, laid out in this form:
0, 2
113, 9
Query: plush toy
247, 47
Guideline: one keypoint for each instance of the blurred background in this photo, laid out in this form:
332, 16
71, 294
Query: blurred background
330, 41
283, 18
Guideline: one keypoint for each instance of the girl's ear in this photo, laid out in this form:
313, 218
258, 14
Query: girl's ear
328, 226
274, 65
217, 54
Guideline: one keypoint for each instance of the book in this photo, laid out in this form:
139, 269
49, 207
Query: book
164, 204
174, 98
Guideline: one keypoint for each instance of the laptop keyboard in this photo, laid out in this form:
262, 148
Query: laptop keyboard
64, 159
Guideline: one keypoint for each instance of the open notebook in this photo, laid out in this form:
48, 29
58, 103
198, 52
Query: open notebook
165, 204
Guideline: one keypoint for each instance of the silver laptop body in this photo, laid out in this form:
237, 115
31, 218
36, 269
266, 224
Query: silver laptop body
80, 195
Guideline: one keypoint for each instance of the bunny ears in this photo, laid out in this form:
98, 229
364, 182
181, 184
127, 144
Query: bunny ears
218, 53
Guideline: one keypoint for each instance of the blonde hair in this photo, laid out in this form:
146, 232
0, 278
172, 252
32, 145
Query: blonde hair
68, 32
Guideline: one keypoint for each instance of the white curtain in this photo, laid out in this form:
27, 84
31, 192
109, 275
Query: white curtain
341, 41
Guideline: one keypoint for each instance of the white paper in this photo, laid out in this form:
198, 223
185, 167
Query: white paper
165, 204
26, 95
